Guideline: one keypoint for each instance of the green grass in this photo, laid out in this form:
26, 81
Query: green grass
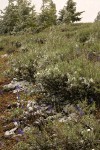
58, 58
57, 51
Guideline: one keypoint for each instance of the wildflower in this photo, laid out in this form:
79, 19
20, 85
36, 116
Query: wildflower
1, 92
90, 101
79, 110
20, 131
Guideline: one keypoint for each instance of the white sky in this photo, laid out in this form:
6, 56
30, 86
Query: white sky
91, 7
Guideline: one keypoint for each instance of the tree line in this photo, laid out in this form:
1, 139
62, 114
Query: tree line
20, 15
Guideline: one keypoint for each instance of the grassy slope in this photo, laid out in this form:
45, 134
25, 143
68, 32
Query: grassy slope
61, 49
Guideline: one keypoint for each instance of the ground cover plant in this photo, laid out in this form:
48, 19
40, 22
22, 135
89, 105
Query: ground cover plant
61, 108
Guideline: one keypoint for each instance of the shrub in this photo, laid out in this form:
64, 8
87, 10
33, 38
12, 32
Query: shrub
83, 135
23, 69
84, 35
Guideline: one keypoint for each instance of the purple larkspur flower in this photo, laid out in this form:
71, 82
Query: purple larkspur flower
17, 87
20, 131
90, 100
16, 120
1, 144
17, 139
78, 108
49, 107
1, 92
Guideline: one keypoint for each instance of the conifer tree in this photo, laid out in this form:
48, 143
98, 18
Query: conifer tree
18, 15
8, 18
68, 14
47, 16
98, 17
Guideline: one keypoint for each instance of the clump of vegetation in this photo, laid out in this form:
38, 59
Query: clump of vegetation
68, 14
56, 135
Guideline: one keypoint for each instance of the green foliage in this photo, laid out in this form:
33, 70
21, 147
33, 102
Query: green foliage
48, 15
84, 35
68, 14
17, 16
69, 87
59, 61
23, 69
83, 135
98, 17
9, 18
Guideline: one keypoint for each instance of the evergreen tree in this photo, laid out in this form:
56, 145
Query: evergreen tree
68, 14
18, 15
26, 15
8, 18
47, 16
98, 17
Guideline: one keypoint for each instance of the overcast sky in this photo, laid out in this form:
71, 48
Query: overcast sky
91, 7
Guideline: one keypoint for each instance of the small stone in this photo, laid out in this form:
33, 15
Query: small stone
88, 130
16, 124
4, 56
11, 132
30, 109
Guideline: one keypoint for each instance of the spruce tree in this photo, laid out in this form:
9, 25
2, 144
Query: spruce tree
98, 17
68, 14
17, 16
47, 17
8, 18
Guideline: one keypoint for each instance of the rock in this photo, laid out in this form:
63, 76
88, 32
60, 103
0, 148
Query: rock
4, 56
17, 86
30, 109
11, 132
